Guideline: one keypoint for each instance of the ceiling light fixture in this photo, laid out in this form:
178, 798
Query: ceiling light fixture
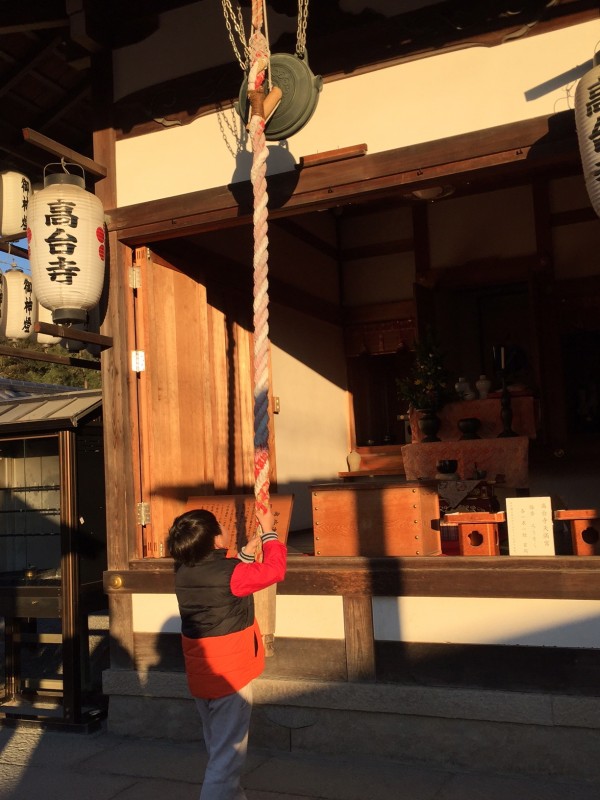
432, 192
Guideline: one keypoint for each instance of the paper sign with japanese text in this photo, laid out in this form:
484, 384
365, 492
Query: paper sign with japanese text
530, 528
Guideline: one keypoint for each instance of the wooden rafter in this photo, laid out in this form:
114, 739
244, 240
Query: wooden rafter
26, 67
33, 15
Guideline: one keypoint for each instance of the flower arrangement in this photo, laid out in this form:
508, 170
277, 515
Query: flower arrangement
428, 385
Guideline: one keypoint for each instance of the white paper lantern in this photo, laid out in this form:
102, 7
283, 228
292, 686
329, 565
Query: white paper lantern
44, 315
19, 305
15, 191
2, 300
66, 247
587, 120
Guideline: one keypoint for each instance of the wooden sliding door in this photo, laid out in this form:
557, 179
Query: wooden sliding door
194, 392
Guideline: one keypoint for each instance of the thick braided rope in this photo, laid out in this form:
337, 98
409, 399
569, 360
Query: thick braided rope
258, 47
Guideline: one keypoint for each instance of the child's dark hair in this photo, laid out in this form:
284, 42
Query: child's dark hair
192, 536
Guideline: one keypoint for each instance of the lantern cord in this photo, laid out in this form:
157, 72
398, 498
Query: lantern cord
259, 60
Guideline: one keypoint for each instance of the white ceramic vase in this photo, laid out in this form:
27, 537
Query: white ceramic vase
483, 386
463, 388
353, 458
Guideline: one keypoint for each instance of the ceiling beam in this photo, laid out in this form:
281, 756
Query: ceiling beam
35, 355
299, 232
33, 15
59, 150
517, 149
27, 66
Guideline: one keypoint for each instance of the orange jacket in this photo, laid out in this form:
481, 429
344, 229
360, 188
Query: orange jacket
221, 665
217, 665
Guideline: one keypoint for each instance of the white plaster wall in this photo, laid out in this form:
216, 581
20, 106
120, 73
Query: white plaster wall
311, 430
423, 100
296, 615
301, 616
455, 620
484, 620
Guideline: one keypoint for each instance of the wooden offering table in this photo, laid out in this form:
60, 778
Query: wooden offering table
504, 460
488, 411
376, 518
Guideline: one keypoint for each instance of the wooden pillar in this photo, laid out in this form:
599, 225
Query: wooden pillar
360, 645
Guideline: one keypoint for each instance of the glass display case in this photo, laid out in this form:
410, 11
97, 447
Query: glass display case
29, 505
52, 556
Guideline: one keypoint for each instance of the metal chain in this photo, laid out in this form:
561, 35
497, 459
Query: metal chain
302, 21
236, 22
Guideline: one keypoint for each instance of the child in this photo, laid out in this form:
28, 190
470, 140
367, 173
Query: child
222, 643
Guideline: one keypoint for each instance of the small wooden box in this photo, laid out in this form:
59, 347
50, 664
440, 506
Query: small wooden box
376, 518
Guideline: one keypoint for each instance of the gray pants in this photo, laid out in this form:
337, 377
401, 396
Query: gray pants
225, 722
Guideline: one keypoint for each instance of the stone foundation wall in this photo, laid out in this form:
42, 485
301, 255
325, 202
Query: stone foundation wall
513, 732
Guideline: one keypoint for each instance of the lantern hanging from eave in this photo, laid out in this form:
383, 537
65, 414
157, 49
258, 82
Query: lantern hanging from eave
74, 345
2, 300
93, 326
66, 236
587, 120
19, 305
44, 315
15, 192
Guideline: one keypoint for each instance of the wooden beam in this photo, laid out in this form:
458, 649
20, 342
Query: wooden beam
59, 150
299, 232
329, 156
557, 577
34, 355
28, 66
74, 334
377, 249
13, 249
38, 15
516, 149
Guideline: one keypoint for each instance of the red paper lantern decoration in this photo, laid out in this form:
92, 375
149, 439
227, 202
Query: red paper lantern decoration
66, 237
587, 120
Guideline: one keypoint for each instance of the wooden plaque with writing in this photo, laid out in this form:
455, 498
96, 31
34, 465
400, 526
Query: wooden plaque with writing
235, 513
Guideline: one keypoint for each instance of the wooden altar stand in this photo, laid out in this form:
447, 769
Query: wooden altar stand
585, 529
478, 531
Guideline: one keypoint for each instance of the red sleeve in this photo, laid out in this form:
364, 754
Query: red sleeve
249, 578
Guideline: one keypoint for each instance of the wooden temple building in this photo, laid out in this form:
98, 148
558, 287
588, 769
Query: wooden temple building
436, 185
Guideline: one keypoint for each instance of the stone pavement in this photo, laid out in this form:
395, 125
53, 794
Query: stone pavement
101, 766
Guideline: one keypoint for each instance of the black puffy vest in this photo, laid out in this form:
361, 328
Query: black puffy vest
206, 603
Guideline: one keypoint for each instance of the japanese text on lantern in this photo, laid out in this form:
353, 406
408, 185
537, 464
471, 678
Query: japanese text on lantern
61, 243
593, 107
24, 202
27, 304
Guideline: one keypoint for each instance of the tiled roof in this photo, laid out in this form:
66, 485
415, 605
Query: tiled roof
49, 407
10, 389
